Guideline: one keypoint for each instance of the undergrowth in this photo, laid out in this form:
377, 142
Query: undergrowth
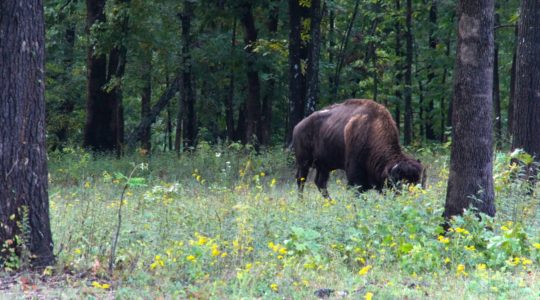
225, 222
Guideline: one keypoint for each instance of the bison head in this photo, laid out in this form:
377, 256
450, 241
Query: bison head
407, 171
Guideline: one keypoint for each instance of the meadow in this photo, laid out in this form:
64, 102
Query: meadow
223, 222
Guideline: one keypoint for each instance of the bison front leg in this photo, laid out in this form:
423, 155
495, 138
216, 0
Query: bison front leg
321, 181
357, 178
301, 176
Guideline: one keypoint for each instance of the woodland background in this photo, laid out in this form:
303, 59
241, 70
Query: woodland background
223, 68
208, 92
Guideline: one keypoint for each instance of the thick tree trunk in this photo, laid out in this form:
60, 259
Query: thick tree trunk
100, 132
408, 120
253, 105
188, 97
471, 164
23, 158
526, 128
312, 93
297, 53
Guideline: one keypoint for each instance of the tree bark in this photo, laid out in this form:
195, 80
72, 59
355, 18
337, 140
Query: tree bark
23, 158
399, 68
188, 98
526, 128
471, 165
229, 106
297, 79
496, 88
512, 86
99, 131
253, 105
408, 118
146, 97
312, 93
433, 41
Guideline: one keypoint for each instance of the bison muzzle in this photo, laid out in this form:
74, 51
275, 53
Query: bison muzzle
358, 136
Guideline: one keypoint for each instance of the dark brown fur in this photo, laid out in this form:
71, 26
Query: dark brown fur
358, 136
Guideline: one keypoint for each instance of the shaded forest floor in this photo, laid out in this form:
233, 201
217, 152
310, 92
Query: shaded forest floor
226, 223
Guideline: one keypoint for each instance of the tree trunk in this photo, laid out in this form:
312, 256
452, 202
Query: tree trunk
526, 128
407, 130
24, 198
146, 97
99, 132
471, 164
312, 93
433, 41
399, 68
188, 98
512, 86
164, 99
229, 105
496, 89
253, 105
297, 54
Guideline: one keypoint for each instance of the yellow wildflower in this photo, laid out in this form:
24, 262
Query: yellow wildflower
470, 248
461, 230
443, 239
368, 296
100, 285
191, 258
514, 261
536, 245
525, 261
447, 260
215, 250
274, 287
364, 270
461, 270
273, 182
481, 267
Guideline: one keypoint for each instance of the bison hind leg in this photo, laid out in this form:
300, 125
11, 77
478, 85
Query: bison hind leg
321, 181
301, 177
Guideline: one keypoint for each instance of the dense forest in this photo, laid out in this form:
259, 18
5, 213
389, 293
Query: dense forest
221, 70
148, 149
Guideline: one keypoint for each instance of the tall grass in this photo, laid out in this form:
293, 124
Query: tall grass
225, 222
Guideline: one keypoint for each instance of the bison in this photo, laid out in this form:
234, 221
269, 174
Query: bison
358, 136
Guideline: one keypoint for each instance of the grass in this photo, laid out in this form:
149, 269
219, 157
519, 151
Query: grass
224, 223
